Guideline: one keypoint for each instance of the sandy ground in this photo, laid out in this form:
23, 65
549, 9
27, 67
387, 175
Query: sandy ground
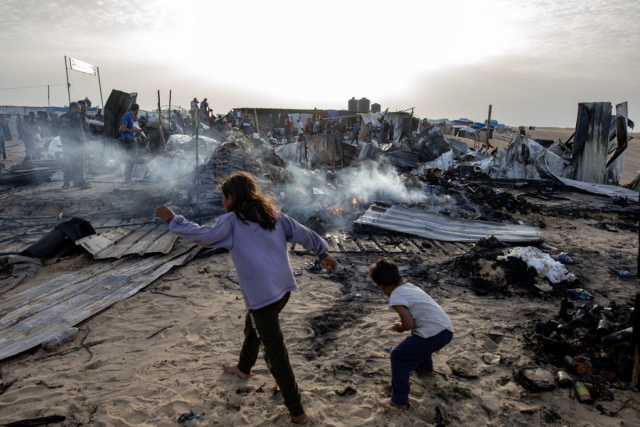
159, 354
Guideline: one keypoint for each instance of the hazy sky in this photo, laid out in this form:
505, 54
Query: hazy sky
533, 61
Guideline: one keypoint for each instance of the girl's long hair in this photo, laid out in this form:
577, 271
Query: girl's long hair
248, 201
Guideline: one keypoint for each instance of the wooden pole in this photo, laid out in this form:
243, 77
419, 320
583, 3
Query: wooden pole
160, 120
635, 343
488, 129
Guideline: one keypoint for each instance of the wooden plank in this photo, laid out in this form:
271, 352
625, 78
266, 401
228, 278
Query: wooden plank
333, 244
347, 242
367, 243
383, 242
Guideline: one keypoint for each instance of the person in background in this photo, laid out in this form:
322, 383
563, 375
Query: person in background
356, 132
28, 138
308, 128
431, 329
194, 108
299, 127
55, 124
19, 125
83, 116
288, 129
342, 130
73, 147
128, 131
256, 235
246, 124
204, 110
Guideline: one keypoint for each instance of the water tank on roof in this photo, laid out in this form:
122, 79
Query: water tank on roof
363, 105
353, 104
375, 108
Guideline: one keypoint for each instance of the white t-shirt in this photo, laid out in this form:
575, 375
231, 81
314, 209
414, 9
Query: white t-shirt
429, 318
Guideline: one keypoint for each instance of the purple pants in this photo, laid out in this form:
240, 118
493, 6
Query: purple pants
413, 353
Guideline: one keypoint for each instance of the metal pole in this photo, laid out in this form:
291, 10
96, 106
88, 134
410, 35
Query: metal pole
66, 70
170, 109
100, 86
48, 95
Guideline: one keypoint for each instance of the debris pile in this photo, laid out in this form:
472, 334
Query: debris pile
494, 269
591, 342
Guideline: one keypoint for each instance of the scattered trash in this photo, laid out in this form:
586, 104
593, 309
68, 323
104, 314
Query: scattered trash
462, 367
60, 338
347, 391
491, 359
543, 286
621, 273
536, 379
388, 349
582, 393
580, 293
564, 258
563, 379
188, 416
617, 336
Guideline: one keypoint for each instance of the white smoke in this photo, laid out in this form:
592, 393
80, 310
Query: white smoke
340, 197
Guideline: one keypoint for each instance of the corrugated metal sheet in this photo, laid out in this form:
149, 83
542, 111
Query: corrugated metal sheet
602, 189
444, 228
133, 240
30, 317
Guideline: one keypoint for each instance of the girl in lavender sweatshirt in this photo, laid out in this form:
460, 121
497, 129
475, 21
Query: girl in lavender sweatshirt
256, 235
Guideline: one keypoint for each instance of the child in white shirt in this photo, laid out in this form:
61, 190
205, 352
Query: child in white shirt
430, 327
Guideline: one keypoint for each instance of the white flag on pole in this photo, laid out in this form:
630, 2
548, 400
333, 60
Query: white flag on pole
83, 67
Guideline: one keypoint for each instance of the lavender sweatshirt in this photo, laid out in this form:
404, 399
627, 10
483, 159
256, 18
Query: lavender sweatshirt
259, 255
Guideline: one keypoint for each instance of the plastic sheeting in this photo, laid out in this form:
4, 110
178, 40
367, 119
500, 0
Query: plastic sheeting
546, 266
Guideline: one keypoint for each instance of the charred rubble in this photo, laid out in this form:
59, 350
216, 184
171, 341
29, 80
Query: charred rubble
591, 342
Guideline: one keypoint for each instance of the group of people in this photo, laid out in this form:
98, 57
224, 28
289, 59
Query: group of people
386, 131
200, 110
256, 234
318, 126
74, 134
31, 131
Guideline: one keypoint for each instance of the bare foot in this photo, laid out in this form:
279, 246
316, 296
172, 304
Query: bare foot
396, 405
233, 369
301, 419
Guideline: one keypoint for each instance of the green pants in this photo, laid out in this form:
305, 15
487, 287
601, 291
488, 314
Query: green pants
263, 325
